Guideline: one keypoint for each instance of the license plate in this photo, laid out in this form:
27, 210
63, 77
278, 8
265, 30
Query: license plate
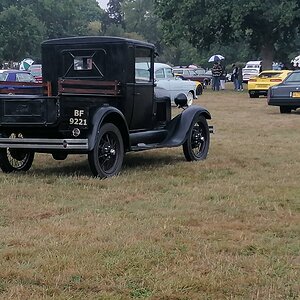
296, 94
262, 85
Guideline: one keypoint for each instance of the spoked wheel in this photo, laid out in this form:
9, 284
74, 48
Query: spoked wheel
107, 156
197, 144
14, 160
190, 98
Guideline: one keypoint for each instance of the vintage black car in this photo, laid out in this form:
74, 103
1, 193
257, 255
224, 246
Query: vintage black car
95, 103
286, 95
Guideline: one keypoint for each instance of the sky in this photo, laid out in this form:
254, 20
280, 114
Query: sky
103, 3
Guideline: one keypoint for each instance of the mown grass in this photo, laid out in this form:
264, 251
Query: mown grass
224, 228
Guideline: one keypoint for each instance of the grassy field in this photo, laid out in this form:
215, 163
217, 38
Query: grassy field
224, 228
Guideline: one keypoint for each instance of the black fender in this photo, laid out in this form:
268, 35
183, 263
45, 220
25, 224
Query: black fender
108, 114
179, 127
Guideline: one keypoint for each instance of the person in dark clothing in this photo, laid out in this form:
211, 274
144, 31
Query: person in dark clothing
216, 73
234, 76
240, 79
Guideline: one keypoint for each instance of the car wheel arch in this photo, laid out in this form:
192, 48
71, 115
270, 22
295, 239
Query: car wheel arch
109, 115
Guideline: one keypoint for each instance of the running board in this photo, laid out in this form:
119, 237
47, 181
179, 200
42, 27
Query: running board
57, 144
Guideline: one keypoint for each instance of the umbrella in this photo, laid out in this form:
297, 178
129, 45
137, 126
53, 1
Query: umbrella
25, 64
216, 57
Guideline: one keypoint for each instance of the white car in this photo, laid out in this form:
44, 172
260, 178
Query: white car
248, 73
164, 78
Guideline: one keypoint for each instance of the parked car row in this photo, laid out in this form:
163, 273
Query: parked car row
259, 85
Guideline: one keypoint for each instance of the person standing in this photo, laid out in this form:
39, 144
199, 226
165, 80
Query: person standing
240, 79
216, 73
223, 78
234, 76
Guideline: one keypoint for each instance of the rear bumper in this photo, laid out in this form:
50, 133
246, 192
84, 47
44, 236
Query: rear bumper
258, 92
45, 144
284, 102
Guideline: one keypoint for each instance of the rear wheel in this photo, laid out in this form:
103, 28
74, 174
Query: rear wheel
197, 144
107, 156
14, 160
285, 110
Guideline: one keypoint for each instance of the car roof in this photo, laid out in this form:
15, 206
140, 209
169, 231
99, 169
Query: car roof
13, 71
158, 66
95, 39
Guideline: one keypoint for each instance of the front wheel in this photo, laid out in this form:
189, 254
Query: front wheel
199, 89
197, 144
15, 160
190, 98
106, 158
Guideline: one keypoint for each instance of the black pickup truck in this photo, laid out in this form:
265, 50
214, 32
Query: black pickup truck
94, 103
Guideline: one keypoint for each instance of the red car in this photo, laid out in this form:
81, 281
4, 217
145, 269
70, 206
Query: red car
36, 71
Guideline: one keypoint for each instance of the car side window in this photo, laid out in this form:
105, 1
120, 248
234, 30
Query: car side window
169, 73
160, 74
3, 76
24, 77
142, 65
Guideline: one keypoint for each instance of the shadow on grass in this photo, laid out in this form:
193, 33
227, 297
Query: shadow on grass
132, 161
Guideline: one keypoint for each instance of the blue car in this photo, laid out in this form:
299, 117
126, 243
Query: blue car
18, 82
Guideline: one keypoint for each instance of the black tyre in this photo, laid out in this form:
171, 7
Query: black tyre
197, 144
285, 110
199, 89
254, 95
106, 158
14, 160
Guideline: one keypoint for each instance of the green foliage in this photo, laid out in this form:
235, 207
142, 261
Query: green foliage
265, 25
20, 33
25, 23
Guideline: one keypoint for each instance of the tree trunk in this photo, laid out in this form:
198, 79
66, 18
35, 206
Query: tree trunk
267, 55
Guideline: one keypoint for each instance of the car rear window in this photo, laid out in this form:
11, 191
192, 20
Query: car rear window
269, 75
294, 77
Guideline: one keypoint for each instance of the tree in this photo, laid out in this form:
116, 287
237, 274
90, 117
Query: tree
264, 25
20, 33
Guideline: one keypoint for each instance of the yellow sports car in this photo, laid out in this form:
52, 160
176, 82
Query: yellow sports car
260, 84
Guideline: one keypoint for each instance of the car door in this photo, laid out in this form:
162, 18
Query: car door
142, 116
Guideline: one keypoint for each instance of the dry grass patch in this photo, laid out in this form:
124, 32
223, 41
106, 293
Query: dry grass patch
224, 228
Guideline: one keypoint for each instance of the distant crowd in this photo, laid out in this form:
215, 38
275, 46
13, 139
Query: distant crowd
219, 75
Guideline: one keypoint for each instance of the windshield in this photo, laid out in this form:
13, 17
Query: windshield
251, 71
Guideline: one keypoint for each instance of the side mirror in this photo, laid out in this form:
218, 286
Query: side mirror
181, 100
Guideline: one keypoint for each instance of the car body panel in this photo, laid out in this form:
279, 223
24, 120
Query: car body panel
260, 84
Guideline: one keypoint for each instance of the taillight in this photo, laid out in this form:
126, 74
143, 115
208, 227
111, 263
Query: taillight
275, 80
252, 80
